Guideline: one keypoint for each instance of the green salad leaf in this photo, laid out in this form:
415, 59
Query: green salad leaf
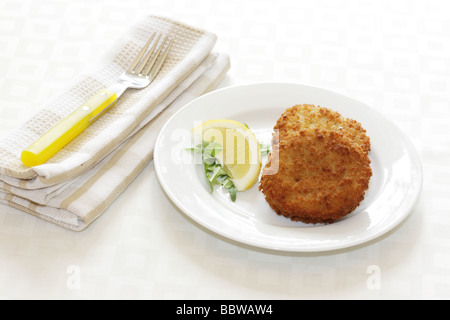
265, 148
214, 172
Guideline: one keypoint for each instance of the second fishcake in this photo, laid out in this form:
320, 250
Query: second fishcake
307, 116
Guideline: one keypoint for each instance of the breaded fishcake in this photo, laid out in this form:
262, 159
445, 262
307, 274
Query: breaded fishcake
315, 175
308, 116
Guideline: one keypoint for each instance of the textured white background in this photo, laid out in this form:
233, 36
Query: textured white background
394, 55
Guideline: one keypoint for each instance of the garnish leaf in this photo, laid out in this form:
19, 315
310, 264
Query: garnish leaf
214, 172
265, 148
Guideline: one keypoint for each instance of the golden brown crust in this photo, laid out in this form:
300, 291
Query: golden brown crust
315, 172
308, 116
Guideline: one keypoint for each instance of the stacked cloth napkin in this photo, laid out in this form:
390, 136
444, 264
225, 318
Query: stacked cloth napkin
75, 186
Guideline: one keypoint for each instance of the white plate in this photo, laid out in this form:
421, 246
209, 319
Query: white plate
393, 190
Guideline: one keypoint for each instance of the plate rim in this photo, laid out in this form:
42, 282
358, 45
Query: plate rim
361, 240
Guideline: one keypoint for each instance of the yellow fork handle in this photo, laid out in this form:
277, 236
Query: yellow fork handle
68, 128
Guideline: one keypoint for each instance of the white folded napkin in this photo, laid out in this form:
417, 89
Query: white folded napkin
75, 186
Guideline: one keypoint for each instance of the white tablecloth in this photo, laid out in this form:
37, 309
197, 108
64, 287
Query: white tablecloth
393, 55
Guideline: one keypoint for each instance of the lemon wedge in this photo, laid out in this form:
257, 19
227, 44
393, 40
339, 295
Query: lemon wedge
240, 156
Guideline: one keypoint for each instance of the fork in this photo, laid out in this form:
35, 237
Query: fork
141, 72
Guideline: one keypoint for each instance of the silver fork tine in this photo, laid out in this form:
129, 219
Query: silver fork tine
144, 61
138, 58
152, 62
142, 67
154, 71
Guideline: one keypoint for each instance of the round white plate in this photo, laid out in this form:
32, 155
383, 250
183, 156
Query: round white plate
394, 187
